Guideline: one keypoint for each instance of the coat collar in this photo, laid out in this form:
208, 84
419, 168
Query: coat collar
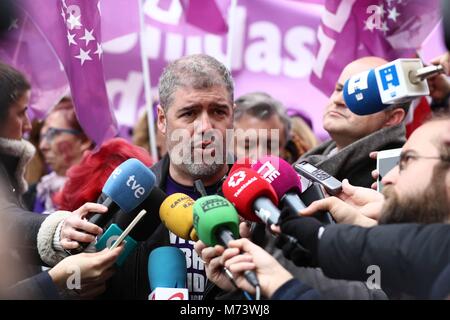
15, 155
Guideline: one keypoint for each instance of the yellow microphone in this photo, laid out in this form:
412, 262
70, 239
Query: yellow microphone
176, 212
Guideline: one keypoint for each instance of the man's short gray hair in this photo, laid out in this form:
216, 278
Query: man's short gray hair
198, 71
262, 106
404, 105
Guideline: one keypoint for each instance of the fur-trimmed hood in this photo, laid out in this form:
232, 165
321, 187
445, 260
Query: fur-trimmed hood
23, 151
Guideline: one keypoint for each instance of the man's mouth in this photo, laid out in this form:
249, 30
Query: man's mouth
335, 113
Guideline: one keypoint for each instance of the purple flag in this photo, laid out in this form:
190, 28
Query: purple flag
352, 29
119, 18
24, 47
207, 15
72, 28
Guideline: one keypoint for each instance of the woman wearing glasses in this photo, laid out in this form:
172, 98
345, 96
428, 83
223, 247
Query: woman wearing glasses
62, 143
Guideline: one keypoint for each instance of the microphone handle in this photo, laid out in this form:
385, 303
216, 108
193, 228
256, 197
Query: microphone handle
99, 219
224, 235
266, 210
293, 202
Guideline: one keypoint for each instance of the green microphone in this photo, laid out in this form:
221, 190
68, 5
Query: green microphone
216, 221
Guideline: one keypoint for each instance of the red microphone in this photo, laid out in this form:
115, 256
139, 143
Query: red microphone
254, 198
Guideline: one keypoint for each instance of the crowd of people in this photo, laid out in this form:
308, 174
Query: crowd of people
403, 231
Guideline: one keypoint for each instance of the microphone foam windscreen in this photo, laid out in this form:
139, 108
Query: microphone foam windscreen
176, 212
243, 187
167, 268
211, 212
362, 95
279, 174
150, 221
129, 184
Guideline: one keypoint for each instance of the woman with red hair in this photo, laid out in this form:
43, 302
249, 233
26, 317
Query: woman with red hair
86, 179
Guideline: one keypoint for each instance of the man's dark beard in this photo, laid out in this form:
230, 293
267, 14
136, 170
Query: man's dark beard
432, 206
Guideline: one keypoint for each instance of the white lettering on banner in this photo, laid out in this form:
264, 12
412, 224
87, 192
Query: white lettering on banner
121, 45
193, 45
264, 54
171, 16
213, 47
152, 48
127, 91
335, 22
174, 46
295, 38
239, 38
260, 46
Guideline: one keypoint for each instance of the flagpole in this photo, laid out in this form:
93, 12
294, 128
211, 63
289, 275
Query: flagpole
231, 32
147, 87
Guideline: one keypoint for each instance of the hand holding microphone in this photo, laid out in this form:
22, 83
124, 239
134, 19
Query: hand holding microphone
126, 188
306, 232
270, 273
216, 222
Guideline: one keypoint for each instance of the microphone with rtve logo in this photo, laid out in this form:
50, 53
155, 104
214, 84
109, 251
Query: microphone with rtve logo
167, 274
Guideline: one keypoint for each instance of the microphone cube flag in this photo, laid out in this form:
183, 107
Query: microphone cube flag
211, 212
376, 89
279, 174
243, 187
110, 236
129, 184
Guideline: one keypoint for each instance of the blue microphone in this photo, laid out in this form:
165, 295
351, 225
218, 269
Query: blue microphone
167, 273
361, 94
126, 188
396, 82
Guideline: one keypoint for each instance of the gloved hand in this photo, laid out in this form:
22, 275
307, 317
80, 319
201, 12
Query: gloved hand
299, 238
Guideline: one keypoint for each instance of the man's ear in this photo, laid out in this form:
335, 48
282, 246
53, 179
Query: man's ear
395, 117
162, 120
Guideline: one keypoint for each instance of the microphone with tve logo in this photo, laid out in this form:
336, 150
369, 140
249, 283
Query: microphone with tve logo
126, 188
167, 274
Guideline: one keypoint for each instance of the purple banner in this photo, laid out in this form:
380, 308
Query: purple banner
351, 29
273, 44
